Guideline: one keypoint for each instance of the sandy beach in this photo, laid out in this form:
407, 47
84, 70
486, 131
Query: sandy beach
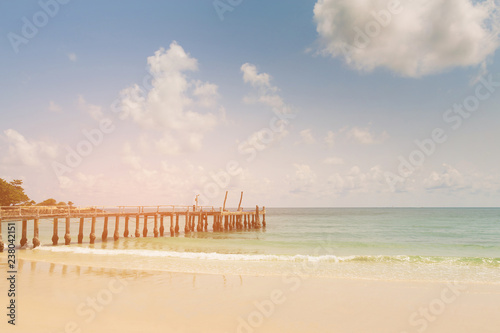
60, 298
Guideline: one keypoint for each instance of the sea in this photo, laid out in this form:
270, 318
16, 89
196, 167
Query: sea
405, 244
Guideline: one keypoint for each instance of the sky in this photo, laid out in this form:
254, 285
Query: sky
327, 103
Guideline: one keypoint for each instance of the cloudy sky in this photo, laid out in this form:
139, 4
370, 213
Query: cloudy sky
296, 103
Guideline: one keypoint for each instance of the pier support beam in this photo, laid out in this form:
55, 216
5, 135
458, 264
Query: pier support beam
188, 221
36, 240
137, 233
145, 229
55, 237
116, 235
1, 242
176, 223
162, 228
126, 232
24, 239
245, 221
67, 235
92, 231
105, 230
172, 225
155, 228
80, 231
264, 217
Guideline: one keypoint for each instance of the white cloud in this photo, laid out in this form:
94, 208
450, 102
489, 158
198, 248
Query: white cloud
95, 111
364, 136
303, 179
357, 181
330, 139
54, 107
307, 136
333, 161
22, 151
258, 80
72, 57
130, 158
417, 38
174, 101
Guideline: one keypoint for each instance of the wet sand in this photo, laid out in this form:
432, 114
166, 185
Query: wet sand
60, 298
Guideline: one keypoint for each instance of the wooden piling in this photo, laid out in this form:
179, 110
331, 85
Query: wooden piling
116, 235
176, 223
105, 230
172, 232
145, 229
36, 240
245, 221
155, 228
126, 232
67, 235
263, 217
188, 221
2, 246
162, 228
80, 231
137, 233
55, 237
92, 231
257, 218
24, 239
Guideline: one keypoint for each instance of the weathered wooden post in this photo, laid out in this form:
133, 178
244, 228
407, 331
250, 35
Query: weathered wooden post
226, 222
231, 221
155, 228
263, 217
172, 231
176, 223
257, 218
253, 222
105, 230
67, 236
245, 221
145, 229
162, 228
206, 221
92, 231
55, 237
1, 243
80, 231
116, 235
36, 241
224, 205
126, 232
137, 233
24, 239
188, 221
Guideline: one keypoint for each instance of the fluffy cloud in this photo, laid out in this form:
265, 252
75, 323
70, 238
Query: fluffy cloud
95, 111
24, 152
413, 39
303, 179
307, 137
357, 181
330, 139
175, 103
365, 137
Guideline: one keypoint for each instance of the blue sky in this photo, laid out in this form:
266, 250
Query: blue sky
186, 94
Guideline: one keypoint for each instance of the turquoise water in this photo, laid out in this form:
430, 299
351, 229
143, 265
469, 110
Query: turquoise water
386, 243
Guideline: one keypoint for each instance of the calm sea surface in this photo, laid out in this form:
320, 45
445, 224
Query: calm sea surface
438, 244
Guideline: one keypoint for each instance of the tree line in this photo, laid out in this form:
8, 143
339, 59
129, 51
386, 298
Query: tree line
12, 194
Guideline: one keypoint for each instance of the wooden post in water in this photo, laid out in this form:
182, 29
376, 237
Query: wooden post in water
264, 217
105, 230
24, 239
172, 225
257, 218
176, 223
55, 237
206, 221
116, 235
155, 228
67, 235
126, 232
245, 221
145, 229
137, 233
188, 221
252, 226
36, 241
224, 206
80, 231
226, 222
1, 243
162, 228
92, 231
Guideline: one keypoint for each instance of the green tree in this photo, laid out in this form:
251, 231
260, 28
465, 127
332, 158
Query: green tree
12, 193
48, 202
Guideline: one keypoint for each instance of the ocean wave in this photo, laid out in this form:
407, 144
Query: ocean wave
401, 259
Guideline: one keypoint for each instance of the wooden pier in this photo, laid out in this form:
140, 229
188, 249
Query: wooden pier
196, 219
